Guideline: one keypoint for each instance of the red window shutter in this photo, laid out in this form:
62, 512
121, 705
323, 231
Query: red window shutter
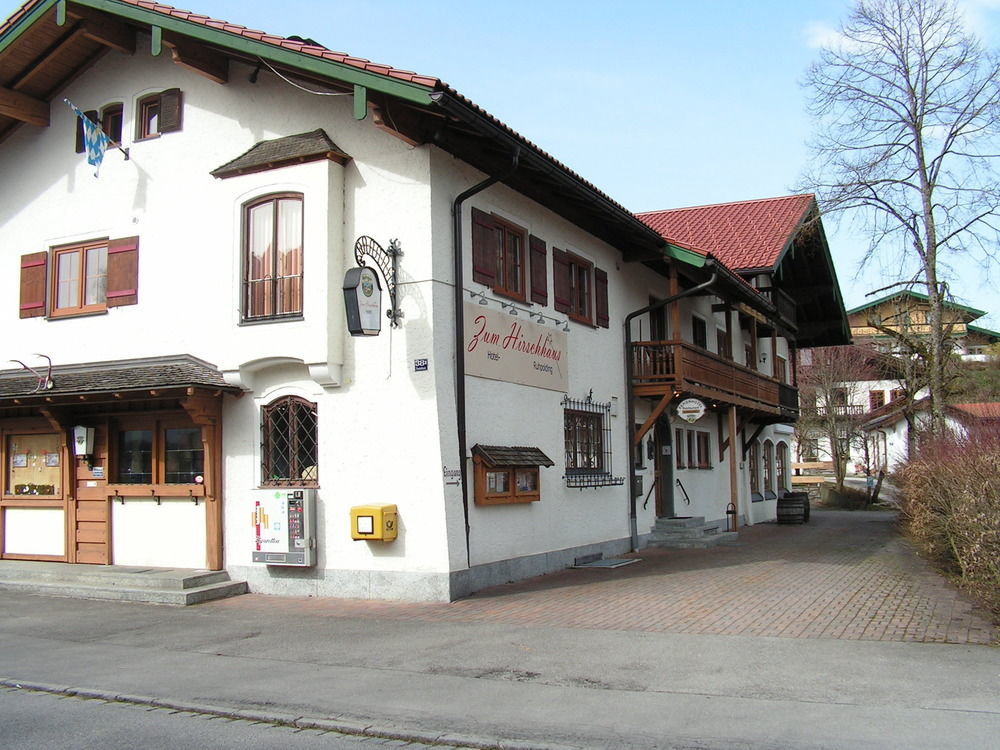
93, 117
123, 272
601, 298
561, 281
539, 270
33, 268
484, 248
171, 111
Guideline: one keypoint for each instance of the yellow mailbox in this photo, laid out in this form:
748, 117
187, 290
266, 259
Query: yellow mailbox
373, 522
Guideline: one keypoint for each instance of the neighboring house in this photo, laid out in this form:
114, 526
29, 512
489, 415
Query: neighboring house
908, 313
191, 301
872, 388
888, 429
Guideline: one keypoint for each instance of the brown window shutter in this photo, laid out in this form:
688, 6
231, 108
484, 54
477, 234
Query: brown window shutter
601, 298
92, 116
484, 248
561, 284
123, 272
539, 271
171, 111
33, 268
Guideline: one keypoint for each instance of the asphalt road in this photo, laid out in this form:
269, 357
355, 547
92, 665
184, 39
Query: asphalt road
33, 720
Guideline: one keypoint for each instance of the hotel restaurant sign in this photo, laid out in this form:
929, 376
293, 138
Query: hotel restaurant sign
511, 348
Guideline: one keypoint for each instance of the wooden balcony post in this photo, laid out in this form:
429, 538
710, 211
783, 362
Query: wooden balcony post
734, 485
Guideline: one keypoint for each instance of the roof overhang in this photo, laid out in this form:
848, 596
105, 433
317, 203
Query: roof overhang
47, 43
116, 381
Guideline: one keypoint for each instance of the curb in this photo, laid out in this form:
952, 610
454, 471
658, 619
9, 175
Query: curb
341, 726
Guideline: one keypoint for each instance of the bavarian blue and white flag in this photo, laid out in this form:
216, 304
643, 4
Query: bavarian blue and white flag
95, 140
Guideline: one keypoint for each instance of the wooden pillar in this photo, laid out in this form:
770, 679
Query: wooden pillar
734, 456
774, 352
207, 413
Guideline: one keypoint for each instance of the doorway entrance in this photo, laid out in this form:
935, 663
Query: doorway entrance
663, 469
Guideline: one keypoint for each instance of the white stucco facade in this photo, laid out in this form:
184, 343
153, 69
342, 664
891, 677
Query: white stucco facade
387, 411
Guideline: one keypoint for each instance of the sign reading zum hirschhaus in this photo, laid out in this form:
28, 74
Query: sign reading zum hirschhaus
499, 346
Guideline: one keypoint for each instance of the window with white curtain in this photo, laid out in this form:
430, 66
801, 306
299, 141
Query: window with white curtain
272, 260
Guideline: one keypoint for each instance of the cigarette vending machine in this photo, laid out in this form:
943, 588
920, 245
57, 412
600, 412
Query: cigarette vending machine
284, 526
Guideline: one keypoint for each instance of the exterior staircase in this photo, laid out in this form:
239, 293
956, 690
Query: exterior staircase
689, 533
175, 586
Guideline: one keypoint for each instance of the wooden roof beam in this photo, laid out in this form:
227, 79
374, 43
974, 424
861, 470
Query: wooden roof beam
197, 58
24, 108
103, 29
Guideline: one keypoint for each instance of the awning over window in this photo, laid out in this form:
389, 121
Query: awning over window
503, 455
283, 152
124, 377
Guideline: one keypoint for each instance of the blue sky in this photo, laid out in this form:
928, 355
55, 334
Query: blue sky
659, 104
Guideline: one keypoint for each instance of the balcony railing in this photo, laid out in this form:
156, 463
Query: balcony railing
837, 410
658, 366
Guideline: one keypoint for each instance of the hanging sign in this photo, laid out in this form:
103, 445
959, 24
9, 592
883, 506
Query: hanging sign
363, 302
691, 410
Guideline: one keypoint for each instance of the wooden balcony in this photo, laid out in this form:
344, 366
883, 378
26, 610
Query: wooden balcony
659, 367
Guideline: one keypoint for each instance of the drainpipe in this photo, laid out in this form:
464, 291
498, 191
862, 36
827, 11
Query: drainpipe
460, 334
633, 527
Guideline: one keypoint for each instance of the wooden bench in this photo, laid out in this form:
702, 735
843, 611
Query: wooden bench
810, 479
812, 466
799, 478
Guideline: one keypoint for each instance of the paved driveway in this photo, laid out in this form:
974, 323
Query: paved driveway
845, 575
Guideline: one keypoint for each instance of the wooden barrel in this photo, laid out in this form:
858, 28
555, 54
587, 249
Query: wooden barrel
805, 499
792, 508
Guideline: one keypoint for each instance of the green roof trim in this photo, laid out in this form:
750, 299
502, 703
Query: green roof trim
18, 28
684, 255
922, 298
413, 92
984, 331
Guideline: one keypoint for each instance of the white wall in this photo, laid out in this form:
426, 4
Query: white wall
170, 534
34, 531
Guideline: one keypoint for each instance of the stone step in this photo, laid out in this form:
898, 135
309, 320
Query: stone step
680, 523
692, 533
177, 586
177, 597
710, 540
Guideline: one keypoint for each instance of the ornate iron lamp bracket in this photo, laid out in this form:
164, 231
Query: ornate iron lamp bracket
387, 261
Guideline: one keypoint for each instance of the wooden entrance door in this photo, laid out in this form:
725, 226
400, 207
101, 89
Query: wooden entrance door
92, 526
663, 468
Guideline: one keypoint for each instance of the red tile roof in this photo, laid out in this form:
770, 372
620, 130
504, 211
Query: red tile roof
261, 36
744, 235
980, 411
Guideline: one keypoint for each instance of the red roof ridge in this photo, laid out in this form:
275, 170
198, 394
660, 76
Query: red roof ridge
261, 36
794, 196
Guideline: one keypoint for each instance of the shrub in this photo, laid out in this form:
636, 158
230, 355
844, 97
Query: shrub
950, 506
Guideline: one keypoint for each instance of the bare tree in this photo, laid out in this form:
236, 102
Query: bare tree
833, 397
908, 113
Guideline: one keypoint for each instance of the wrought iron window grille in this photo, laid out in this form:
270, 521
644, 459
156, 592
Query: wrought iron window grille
587, 436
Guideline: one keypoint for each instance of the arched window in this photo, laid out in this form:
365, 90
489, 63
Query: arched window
755, 470
272, 257
289, 443
768, 467
781, 460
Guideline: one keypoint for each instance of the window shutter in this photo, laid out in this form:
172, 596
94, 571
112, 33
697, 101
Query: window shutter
484, 248
171, 111
33, 268
539, 272
123, 272
601, 298
93, 117
561, 285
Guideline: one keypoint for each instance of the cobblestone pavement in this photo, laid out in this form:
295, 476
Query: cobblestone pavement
845, 575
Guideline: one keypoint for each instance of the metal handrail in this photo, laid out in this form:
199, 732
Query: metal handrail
684, 491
